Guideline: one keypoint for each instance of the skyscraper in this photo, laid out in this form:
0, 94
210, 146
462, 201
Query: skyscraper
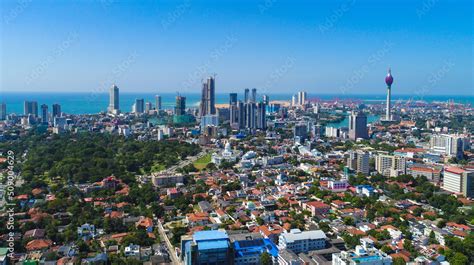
389, 82
246, 95
250, 121
114, 100
30, 107
261, 116
232, 98
148, 107
266, 99
158, 102
180, 108
233, 108
56, 110
294, 101
359, 161
139, 106
44, 113
358, 126
301, 98
254, 95
208, 98
241, 114
3, 111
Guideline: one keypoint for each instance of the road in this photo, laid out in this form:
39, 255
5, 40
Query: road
173, 256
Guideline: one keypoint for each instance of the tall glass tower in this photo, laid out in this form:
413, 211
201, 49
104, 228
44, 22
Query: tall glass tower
114, 100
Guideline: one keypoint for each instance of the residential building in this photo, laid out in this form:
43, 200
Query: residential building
180, 108
56, 110
138, 106
114, 100
316, 207
44, 113
207, 106
30, 107
431, 173
449, 144
158, 102
364, 254
359, 161
390, 165
3, 111
300, 132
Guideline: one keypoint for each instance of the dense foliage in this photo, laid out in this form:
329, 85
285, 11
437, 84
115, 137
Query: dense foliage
90, 157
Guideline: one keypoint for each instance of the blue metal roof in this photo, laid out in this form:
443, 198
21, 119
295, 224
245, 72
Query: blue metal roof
210, 235
212, 239
213, 244
243, 248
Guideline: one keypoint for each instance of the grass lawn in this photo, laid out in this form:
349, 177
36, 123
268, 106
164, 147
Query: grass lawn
202, 162
157, 168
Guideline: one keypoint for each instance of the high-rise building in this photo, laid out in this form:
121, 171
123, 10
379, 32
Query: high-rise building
390, 165
450, 144
208, 106
44, 113
300, 132
180, 108
114, 100
241, 114
254, 95
301, 98
294, 101
459, 180
233, 109
3, 111
359, 161
56, 110
232, 99
250, 115
246, 95
358, 126
138, 106
266, 99
261, 116
389, 82
148, 107
158, 102
30, 107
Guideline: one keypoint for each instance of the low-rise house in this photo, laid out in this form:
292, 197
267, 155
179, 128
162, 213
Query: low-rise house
316, 207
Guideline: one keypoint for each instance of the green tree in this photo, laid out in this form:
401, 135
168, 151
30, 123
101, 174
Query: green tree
265, 259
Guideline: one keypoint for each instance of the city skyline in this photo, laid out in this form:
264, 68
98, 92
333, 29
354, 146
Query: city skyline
339, 46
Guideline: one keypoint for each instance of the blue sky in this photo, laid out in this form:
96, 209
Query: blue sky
274, 45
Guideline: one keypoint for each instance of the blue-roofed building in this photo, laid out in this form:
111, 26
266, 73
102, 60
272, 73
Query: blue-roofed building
207, 247
365, 190
248, 248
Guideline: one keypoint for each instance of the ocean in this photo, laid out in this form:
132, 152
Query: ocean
90, 103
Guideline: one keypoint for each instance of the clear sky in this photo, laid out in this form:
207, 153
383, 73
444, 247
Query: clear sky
276, 46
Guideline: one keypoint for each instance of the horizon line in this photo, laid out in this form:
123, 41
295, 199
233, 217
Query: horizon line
220, 93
